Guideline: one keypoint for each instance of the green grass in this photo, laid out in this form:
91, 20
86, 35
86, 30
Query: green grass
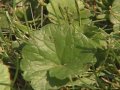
92, 28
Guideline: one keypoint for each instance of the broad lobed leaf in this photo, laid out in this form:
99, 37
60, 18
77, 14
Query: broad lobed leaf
56, 52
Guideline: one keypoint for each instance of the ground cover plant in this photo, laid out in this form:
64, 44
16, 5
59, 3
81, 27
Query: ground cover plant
59, 44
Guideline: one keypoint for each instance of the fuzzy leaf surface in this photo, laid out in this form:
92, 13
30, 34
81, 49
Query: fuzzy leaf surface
53, 56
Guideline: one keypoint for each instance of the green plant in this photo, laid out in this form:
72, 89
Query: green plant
74, 45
